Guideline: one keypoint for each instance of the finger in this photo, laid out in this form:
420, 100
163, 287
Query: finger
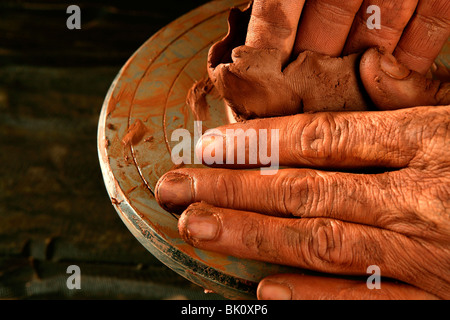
308, 287
291, 193
425, 35
394, 16
344, 140
317, 244
391, 85
325, 25
273, 24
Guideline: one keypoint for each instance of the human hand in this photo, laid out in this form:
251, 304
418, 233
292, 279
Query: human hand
260, 79
332, 221
397, 219
413, 30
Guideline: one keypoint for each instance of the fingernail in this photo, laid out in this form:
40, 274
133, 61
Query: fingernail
174, 191
202, 226
434, 67
392, 67
210, 148
270, 290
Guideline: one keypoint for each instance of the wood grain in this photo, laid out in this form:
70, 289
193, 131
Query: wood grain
54, 209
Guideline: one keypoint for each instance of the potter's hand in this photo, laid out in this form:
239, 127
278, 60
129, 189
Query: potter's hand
414, 30
258, 79
397, 220
332, 221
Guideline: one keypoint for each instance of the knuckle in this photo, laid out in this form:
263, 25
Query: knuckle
263, 22
253, 237
339, 9
226, 190
434, 14
434, 22
322, 137
302, 196
326, 246
411, 198
431, 132
432, 196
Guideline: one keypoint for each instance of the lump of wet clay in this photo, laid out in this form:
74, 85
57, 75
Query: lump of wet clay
254, 83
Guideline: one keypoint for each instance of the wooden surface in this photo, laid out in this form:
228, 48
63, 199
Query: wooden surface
54, 209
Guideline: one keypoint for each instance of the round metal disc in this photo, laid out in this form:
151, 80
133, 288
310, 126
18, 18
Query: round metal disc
145, 104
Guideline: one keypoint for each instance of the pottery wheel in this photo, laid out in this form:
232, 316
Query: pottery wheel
145, 104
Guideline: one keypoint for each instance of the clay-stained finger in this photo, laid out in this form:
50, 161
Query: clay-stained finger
273, 25
391, 85
335, 140
290, 193
309, 287
324, 245
425, 35
325, 25
394, 16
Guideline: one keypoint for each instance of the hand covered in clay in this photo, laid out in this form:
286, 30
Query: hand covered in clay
270, 64
327, 216
333, 221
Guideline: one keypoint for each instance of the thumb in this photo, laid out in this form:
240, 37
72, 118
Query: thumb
391, 85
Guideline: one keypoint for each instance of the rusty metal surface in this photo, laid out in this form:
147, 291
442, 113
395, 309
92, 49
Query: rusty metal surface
145, 103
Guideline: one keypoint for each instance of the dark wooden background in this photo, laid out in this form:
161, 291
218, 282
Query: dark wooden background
54, 209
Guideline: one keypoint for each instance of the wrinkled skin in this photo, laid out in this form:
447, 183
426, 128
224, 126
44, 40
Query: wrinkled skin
362, 188
398, 220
